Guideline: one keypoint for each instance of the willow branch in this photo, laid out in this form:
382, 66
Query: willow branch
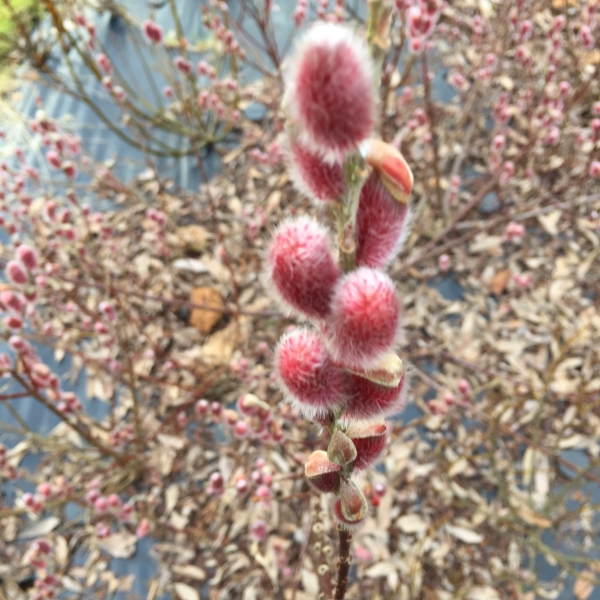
344, 564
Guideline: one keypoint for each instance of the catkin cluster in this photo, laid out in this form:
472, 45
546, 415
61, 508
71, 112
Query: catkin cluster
341, 369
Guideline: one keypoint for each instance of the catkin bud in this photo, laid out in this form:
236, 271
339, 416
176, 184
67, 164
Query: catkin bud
152, 31
341, 520
364, 320
258, 530
11, 300
13, 321
381, 224
183, 65
369, 440
16, 272
307, 373
312, 175
28, 256
341, 449
330, 95
53, 159
301, 266
322, 473
144, 528
367, 399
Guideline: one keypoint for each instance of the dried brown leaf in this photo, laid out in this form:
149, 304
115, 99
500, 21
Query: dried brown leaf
120, 545
482, 592
583, 587
40, 528
464, 535
412, 523
186, 592
531, 517
204, 319
550, 221
193, 238
190, 571
499, 281
220, 346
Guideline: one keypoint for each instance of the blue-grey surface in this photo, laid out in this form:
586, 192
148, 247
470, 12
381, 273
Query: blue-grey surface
124, 45
489, 203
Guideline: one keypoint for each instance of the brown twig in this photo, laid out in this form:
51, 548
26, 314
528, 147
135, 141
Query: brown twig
430, 249
344, 564
456, 166
5, 397
105, 450
303, 549
430, 110
212, 203
505, 429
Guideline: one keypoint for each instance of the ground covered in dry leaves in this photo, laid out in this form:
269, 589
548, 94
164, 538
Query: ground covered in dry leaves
480, 492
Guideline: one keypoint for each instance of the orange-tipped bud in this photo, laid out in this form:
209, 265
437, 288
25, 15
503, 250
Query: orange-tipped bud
393, 170
369, 440
322, 474
231, 416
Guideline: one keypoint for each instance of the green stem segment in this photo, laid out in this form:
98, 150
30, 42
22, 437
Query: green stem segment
345, 212
378, 33
378, 38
